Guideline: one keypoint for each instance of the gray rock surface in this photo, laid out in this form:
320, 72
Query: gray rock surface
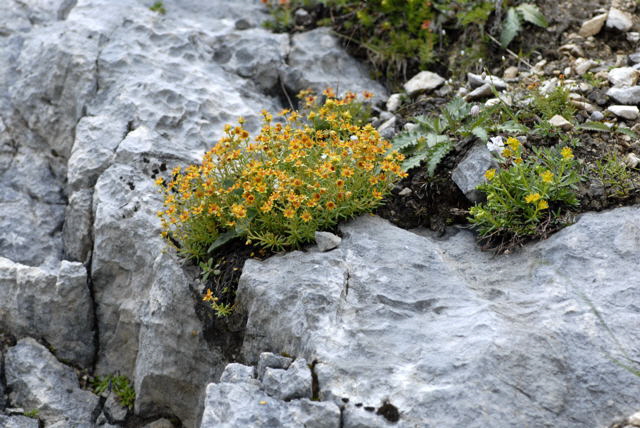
232, 405
593, 26
619, 20
626, 96
623, 76
327, 241
18, 422
238, 373
268, 359
39, 381
454, 336
469, 173
625, 112
54, 306
317, 60
294, 382
424, 81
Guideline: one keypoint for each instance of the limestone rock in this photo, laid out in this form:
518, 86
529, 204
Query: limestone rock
39, 381
625, 112
18, 422
477, 80
480, 92
54, 306
511, 72
593, 26
560, 122
393, 103
327, 241
424, 81
619, 20
623, 76
582, 65
316, 60
294, 382
469, 173
270, 360
237, 373
521, 322
626, 96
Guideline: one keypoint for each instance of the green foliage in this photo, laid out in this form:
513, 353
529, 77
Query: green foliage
158, 7
33, 414
556, 102
526, 197
512, 23
614, 176
119, 385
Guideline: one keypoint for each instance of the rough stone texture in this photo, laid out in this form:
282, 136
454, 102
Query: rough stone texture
626, 96
231, 405
268, 359
39, 381
18, 422
560, 122
317, 60
238, 373
423, 82
469, 173
623, 76
327, 241
480, 92
454, 336
625, 112
477, 80
54, 306
294, 382
394, 102
593, 26
619, 20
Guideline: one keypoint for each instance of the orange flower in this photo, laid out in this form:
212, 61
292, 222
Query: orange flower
330, 205
306, 216
289, 212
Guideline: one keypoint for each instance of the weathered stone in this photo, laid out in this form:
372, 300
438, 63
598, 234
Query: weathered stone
238, 373
113, 409
634, 419
54, 306
619, 20
394, 102
294, 382
593, 26
268, 359
511, 72
76, 231
597, 116
626, 96
160, 423
230, 405
522, 322
635, 57
560, 122
632, 160
469, 173
317, 60
18, 422
477, 80
327, 241
623, 76
424, 81
582, 65
625, 112
39, 381
388, 129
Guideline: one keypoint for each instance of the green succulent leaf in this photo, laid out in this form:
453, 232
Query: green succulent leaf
532, 14
510, 28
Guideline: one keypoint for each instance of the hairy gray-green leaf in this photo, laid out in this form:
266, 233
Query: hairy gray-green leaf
510, 27
481, 133
532, 14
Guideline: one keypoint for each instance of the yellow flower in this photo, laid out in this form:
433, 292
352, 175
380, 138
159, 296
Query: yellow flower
266, 207
532, 198
330, 205
306, 217
238, 211
507, 153
376, 194
566, 153
490, 174
543, 205
547, 176
513, 143
209, 296
517, 161
159, 181
289, 212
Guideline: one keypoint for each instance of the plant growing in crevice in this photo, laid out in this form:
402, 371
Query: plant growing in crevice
158, 7
118, 385
614, 175
528, 195
300, 174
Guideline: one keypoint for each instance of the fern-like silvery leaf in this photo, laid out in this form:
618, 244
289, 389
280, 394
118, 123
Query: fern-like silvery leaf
510, 27
403, 141
481, 133
594, 126
512, 127
532, 14
414, 161
434, 139
458, 108
436, 154
627, 131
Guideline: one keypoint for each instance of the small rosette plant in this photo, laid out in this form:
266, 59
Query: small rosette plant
527, 194
302, 173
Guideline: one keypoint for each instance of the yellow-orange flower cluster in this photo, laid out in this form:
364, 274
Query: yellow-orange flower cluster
299, 174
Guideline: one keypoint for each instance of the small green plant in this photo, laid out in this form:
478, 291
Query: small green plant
512, 23
33, 414
614, 175
119, 385
158, 7
556, 102
528, 194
